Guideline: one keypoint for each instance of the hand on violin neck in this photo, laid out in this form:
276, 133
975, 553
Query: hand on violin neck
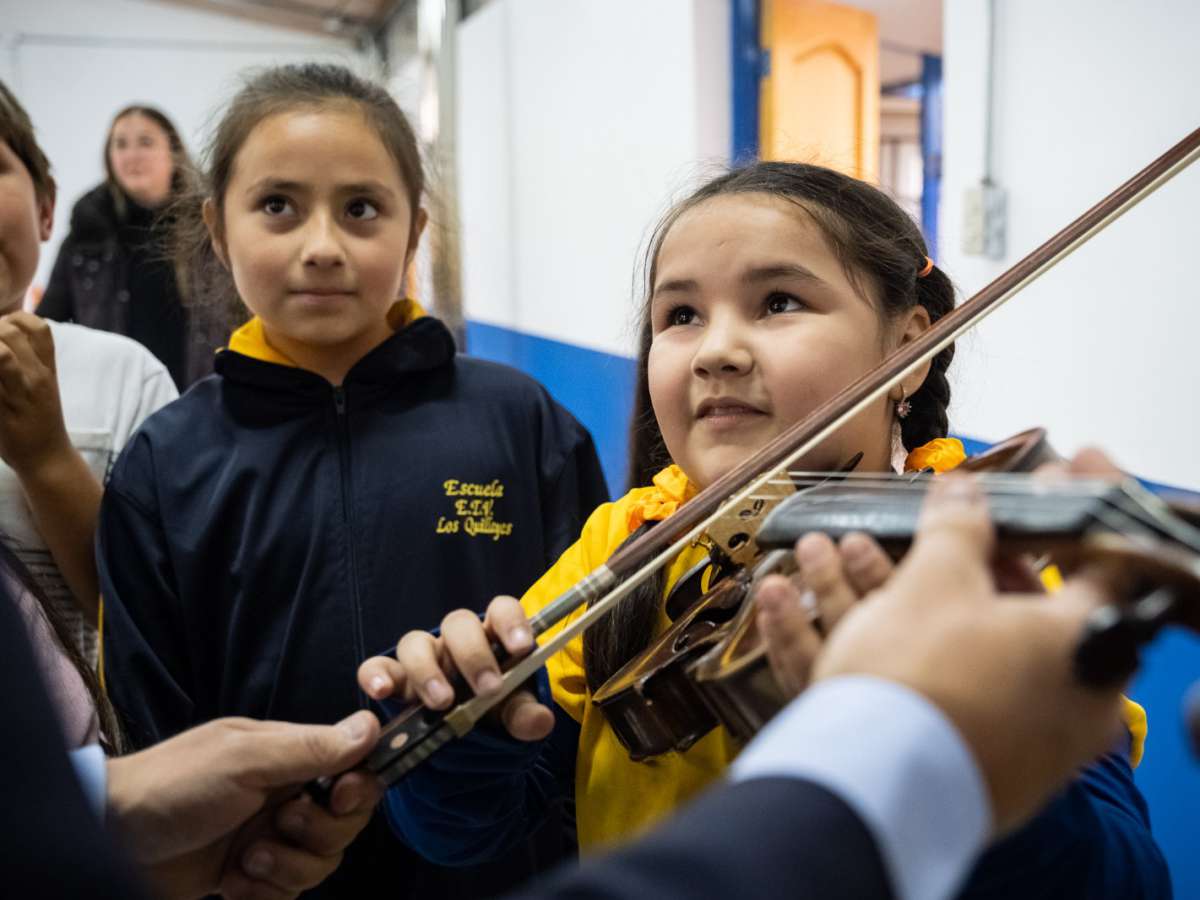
1090, 462
427, 667
795, 614
998, 665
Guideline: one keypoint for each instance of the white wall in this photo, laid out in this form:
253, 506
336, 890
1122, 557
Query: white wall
73, 63
576, 121
1103, 349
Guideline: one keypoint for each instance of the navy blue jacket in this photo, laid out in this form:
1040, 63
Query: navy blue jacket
267, 532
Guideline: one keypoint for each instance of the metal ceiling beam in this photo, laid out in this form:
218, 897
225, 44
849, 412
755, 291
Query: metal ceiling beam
307, 19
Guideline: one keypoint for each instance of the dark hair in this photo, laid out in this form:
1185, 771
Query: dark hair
268, 93
16, 130
180, 161
111, 735
882, 253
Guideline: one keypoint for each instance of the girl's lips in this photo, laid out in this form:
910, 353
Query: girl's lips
318, 298
721, 417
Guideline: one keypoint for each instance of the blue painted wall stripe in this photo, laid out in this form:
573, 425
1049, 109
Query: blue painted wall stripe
746, 61
596, 387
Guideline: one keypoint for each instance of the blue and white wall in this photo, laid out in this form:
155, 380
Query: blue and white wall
1102, 349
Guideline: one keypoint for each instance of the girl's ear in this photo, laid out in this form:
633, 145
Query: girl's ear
420, 220
45, 207
212, 221
915, 325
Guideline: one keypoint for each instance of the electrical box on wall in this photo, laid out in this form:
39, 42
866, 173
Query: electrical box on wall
984, 221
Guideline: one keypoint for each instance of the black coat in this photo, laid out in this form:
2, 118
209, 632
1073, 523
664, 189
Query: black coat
264, 534
54, 847
112, 273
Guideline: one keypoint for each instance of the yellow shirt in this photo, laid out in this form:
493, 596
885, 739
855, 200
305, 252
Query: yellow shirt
615, 797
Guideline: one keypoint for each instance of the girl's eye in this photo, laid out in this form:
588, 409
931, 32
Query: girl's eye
783, 303
362, 210
276, 206
681, 315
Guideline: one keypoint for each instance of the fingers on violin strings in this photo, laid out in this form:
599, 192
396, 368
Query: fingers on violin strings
789, 632
506, 620
1092, 462
866, 565
822, 573
954, 541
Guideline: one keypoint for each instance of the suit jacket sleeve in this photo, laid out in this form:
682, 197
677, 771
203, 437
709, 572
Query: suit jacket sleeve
53, 845
765, 837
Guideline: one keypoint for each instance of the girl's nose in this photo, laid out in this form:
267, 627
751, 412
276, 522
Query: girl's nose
321, 245
723, 350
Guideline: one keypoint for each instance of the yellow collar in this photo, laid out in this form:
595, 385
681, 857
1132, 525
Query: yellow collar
251, 340
672, 488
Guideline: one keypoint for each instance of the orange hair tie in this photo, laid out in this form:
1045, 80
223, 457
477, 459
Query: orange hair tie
928, 268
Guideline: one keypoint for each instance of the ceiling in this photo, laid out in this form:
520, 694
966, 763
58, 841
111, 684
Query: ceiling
907, 28
351, 18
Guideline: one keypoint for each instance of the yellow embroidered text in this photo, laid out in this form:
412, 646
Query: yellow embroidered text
473, 510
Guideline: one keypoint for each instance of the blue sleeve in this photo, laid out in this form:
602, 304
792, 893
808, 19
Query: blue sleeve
1093, 841
484, 792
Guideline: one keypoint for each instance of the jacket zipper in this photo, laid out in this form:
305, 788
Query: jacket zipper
343, 442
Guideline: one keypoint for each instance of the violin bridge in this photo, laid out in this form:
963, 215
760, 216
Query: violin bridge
733, 532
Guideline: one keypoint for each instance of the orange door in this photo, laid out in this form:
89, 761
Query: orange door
820, 99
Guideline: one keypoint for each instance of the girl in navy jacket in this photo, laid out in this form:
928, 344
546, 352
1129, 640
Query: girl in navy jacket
344, 477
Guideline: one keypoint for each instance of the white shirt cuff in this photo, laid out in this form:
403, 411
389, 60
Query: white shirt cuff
898, 762
91, 768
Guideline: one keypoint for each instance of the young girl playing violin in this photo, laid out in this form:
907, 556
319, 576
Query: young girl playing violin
768, 290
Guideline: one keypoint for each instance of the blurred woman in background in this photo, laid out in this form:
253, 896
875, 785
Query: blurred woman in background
112, 272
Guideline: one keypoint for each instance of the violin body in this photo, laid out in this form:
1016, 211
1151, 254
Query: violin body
713, 660
650, 703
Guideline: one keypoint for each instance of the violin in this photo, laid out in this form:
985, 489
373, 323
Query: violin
728, 514
710, 667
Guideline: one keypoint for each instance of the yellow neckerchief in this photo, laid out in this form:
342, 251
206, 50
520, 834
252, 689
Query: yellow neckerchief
251, 339
672, 489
